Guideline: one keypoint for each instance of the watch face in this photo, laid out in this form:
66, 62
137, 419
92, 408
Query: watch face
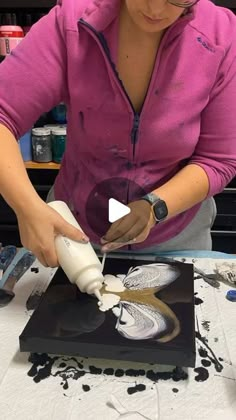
160, 210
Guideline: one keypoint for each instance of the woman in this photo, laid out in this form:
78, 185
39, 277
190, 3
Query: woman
150, 88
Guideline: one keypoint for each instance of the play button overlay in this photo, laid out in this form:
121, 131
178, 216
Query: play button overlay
100, 208
117, 210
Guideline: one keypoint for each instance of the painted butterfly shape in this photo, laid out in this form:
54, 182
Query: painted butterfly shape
140, 314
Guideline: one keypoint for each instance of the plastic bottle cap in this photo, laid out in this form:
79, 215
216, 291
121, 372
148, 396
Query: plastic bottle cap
59, 131
12, 28
54, 126
231, 295
41, 131
89, 280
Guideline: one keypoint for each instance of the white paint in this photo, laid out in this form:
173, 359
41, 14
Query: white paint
124, 413
108, 302
151, 275
136, 321
117, 311
113, 284
103, 260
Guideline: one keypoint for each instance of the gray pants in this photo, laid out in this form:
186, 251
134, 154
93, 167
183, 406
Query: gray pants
196, 236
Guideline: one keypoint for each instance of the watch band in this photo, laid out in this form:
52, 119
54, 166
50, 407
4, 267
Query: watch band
151, 198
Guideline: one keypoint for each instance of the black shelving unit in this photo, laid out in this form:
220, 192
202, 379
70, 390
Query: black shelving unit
27, 4
42, 179
230, 4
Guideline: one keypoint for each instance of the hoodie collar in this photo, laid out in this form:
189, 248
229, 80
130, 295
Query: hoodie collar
100, 13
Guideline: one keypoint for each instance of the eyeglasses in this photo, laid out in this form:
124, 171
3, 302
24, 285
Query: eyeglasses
184, 4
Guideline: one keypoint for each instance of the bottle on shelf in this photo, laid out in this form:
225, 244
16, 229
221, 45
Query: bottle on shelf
11, 34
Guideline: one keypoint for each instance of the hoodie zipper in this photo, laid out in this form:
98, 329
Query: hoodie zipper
103, 43
136, 116
134, 132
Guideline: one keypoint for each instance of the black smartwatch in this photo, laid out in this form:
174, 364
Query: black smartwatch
159, 207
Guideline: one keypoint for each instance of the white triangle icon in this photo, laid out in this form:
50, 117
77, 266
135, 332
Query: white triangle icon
117, 210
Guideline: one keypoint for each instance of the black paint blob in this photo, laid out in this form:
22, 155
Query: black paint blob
108, 371
206, 363
132, 372
197, 300
212, 357
175, 390
202, 374
94, 370
42, 369
135, 372
119, 373
202, 352
86, 388
39, 373
141, 372
34, 270
177, 374
136, 388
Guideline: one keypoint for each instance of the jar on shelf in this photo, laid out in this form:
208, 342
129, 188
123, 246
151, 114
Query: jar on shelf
41, 145
58, 143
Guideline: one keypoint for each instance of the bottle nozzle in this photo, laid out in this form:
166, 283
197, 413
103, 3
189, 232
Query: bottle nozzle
98, 295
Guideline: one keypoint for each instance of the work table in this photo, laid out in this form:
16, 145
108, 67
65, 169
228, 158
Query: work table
73, 388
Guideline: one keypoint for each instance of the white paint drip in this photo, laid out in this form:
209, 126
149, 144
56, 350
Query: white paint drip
113, 284
103, 260
108, 301
123, 412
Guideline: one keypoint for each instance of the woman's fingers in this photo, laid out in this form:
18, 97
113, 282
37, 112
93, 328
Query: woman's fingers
136, 234
134, 226
68, 230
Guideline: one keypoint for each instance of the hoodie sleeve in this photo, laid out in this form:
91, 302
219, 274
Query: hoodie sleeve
216, 148
33, 77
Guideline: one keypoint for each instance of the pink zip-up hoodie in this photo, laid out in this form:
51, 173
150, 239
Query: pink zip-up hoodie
189, 114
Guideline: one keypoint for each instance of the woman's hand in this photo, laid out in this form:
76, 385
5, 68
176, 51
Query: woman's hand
38, 225
130, 229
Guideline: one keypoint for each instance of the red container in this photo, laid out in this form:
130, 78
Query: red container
10, 37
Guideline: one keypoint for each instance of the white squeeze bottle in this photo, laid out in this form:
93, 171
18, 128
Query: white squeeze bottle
79, 261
